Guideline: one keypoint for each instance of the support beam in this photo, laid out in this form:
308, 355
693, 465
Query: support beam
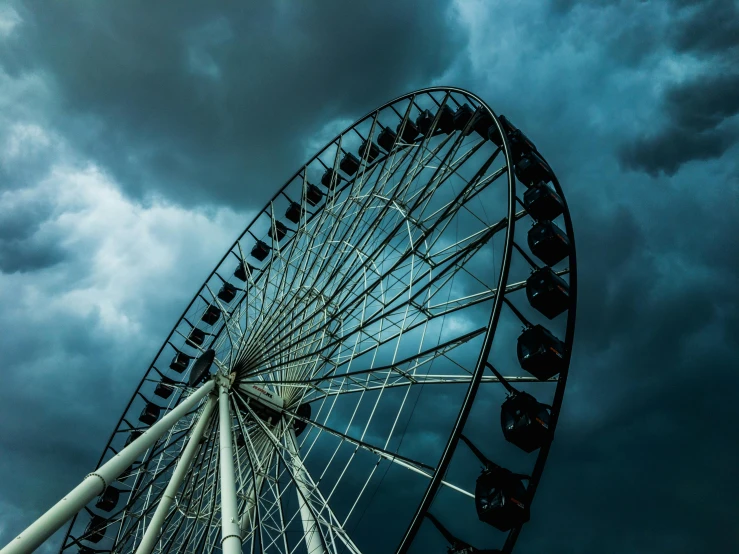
310, 526
183, 465
95, 483
230, 530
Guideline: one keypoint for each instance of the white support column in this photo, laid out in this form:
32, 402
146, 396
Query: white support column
230, 530
95, 483
183, 465
310, 526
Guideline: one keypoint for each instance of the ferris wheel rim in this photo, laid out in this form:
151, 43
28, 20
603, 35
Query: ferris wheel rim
491, 328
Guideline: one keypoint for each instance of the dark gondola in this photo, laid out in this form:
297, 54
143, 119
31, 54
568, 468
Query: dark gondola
548, 292
108, 500
304, 412
483, 121
260, 250
495, 136
446, 120
180, 362
294, 212
424, 121
542, 203
331, 178
196, 337
277, 231
532, 169
243, 270
149, 414
313, 194
95, 530
132, 436
501, 498
349, 164
548, 242
211, 314
462, 116
410, 131
227, 292
540, 352
386, 139
368, 150
165, 387
525, 421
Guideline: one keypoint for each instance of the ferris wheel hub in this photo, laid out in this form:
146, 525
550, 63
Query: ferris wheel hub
268, 405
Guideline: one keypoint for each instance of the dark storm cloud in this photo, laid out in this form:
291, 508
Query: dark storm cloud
23, 247
215, 103
707, 27
180, 101
697, 127
697, 114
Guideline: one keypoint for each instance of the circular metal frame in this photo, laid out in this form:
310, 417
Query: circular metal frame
449, 449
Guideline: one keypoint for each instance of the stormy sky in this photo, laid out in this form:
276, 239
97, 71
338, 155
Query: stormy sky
137, 139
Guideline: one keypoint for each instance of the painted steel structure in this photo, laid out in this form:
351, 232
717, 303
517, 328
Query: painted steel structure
344, 299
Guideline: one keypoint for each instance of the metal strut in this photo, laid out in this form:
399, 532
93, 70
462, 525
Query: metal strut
95, 483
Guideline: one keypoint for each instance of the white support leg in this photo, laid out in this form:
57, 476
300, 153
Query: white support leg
310, 525
183, 465
230, 531
95, 483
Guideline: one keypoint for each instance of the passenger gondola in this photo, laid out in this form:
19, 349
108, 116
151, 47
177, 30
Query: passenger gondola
368, 150
548, 242
548, 292
501, 498
277, 231
532, 169
542, 203
540, 352
149, 414
386, 139
330, 179
196, 337
349, 164
313, 194
211, 314
165, 387
108, 500
294, 212
525, 421
260, 251
95, 530
409, 132
227, 292
180, 362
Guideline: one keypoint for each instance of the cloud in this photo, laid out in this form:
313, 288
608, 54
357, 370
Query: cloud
128, 168
197, 100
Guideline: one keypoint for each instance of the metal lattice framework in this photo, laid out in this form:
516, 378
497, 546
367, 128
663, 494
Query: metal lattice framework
284, 409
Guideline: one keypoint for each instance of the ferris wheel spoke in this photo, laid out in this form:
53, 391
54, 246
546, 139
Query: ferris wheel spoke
183, 466
382, 311
430, 379
381, 452
416, 361
189, 519
314, 535
338, 262
138, 513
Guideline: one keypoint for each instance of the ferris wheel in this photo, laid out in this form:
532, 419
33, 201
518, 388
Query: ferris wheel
377, 364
